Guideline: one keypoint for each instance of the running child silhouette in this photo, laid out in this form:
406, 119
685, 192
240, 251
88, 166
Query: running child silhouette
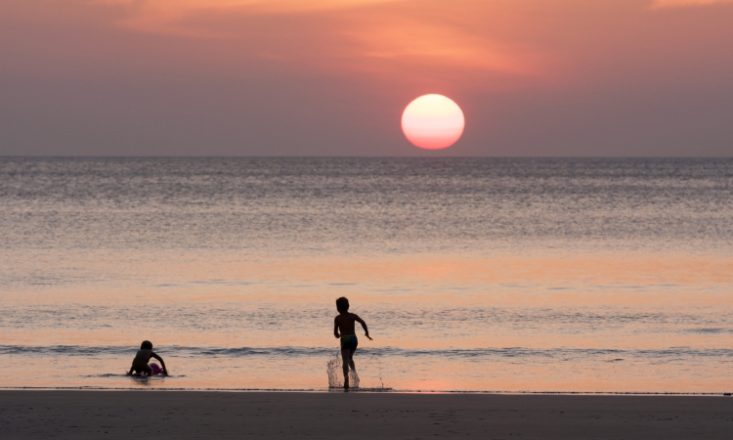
343, 327
140, 365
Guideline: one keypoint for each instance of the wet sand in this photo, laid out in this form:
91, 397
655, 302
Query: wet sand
194, 415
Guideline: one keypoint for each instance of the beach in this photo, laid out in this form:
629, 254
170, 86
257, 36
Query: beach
190, 415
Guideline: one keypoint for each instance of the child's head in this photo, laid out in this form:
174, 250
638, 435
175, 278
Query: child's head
342, 305
146, 345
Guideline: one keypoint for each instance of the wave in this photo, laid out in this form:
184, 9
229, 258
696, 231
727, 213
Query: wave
560, 353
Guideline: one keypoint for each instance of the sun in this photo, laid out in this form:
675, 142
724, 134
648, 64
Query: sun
433, 122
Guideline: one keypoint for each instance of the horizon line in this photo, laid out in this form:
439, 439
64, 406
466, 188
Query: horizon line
275, 156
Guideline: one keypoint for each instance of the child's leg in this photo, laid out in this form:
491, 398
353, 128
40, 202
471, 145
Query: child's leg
353, 370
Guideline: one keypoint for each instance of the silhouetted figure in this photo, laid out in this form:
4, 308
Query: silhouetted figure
343, 327
140, 365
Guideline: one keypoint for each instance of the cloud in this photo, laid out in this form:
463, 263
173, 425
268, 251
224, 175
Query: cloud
667, 4
383, 38
167, 16
376, 36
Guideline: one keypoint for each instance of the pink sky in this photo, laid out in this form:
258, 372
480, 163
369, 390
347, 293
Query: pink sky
331, 77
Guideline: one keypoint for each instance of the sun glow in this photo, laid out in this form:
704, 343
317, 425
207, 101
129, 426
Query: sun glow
433, 122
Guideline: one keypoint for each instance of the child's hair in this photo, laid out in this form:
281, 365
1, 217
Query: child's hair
146, 345
342, 304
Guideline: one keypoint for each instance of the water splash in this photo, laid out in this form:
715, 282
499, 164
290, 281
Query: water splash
333, 369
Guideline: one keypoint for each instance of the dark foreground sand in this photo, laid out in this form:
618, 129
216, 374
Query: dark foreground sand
204, 415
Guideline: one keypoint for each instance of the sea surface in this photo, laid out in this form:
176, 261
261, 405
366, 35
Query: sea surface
473, 274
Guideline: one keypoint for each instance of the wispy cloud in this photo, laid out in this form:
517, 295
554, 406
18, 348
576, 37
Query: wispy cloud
169, 16
395, 40
366, 35
666, 4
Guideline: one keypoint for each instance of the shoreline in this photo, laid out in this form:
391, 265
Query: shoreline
187, 415
370, 391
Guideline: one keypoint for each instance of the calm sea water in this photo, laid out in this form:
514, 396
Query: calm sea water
578, 275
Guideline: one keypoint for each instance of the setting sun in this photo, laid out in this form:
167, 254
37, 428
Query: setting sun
433, 122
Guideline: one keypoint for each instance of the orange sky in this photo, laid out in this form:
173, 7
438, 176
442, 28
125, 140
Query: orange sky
535, 77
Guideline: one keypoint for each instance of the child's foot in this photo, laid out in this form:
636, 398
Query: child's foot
354, 379
346, 384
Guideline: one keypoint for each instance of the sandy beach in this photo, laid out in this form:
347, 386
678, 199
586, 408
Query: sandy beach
193, 415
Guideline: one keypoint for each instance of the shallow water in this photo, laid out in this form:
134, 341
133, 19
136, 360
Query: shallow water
575, 275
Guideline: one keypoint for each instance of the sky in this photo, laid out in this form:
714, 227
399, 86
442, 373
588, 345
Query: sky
331, 77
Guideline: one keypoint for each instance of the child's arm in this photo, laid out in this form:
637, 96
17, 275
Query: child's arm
162, 363
363, 324
336, 327
129, 373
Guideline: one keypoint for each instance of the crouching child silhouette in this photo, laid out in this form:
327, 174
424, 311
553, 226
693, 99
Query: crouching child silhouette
343, 327
140, 365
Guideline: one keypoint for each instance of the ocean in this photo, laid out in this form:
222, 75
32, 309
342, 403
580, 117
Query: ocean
473, 274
